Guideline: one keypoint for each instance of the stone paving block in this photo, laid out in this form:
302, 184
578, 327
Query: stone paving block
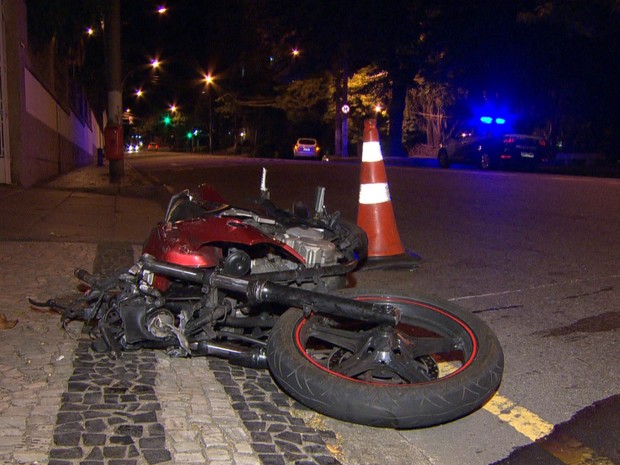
185, 447
66, 453
218, 453
157, 442
12, 422
114, 452
30, 456
6, 441
242, 448
189, 457
246, 459
210, 437
8, 430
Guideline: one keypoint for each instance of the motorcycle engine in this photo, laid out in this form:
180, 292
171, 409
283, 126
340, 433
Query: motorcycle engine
311, 245
307, 242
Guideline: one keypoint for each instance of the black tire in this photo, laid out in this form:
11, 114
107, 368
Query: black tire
307, 358
443, 158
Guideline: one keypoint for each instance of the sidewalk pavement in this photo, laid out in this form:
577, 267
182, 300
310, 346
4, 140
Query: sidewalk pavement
60, 404
82, 206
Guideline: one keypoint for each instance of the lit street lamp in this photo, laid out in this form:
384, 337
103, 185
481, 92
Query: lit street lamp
208, 81
154, 64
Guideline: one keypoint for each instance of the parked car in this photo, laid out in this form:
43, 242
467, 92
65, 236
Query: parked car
493, 152
307, 147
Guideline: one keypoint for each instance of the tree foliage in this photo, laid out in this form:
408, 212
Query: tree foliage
429, 109
549, 61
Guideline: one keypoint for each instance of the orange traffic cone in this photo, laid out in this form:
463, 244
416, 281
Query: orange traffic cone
375, 214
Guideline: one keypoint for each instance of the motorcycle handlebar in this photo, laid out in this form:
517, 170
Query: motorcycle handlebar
85, 276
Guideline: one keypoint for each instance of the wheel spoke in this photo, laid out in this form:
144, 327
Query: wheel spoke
381, 353
385, 362
352, 341
433, 345
409, 369
357, 365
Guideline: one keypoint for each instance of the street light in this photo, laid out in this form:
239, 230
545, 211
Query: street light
208, 81
154, 64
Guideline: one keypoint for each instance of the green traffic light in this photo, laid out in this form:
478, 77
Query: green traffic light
189, 135
167, 120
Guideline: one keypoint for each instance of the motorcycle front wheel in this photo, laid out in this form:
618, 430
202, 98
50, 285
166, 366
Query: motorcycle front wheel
440, 363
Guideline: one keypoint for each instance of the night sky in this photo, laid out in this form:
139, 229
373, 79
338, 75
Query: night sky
191, 39
551, 60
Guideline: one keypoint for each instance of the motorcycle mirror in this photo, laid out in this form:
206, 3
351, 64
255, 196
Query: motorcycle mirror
264, 192
319, 202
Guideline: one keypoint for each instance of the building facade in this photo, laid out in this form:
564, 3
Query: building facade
46, 125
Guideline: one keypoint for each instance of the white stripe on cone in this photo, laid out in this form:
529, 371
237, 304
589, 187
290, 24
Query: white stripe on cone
374, 193
371, 151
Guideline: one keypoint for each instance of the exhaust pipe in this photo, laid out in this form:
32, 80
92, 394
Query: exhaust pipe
251, 358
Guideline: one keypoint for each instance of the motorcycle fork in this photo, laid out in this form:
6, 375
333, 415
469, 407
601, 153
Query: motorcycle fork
262, 291
309, 301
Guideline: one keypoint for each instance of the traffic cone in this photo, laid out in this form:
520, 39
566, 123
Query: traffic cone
375, 214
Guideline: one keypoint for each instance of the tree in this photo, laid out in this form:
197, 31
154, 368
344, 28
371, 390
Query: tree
581, 41
428, 110
549, 61
343, 37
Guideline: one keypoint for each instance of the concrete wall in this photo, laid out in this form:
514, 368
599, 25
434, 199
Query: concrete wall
46, 137
58, 141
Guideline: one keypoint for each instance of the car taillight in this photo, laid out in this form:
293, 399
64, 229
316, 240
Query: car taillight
542, 142
509, 140
504, 156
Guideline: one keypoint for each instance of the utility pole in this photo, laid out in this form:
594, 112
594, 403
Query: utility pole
345, 114
114, 130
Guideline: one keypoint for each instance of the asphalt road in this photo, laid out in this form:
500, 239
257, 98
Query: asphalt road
537, 256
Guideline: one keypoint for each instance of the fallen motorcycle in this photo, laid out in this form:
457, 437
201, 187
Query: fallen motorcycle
262, 287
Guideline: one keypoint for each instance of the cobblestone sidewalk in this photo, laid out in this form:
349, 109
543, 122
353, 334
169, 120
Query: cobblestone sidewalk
36, 356
61, 404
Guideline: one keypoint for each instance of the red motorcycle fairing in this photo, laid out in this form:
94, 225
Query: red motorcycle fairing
207, 193
196, 243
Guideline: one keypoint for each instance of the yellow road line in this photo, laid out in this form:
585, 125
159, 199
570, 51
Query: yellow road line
525, 422
565, 448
